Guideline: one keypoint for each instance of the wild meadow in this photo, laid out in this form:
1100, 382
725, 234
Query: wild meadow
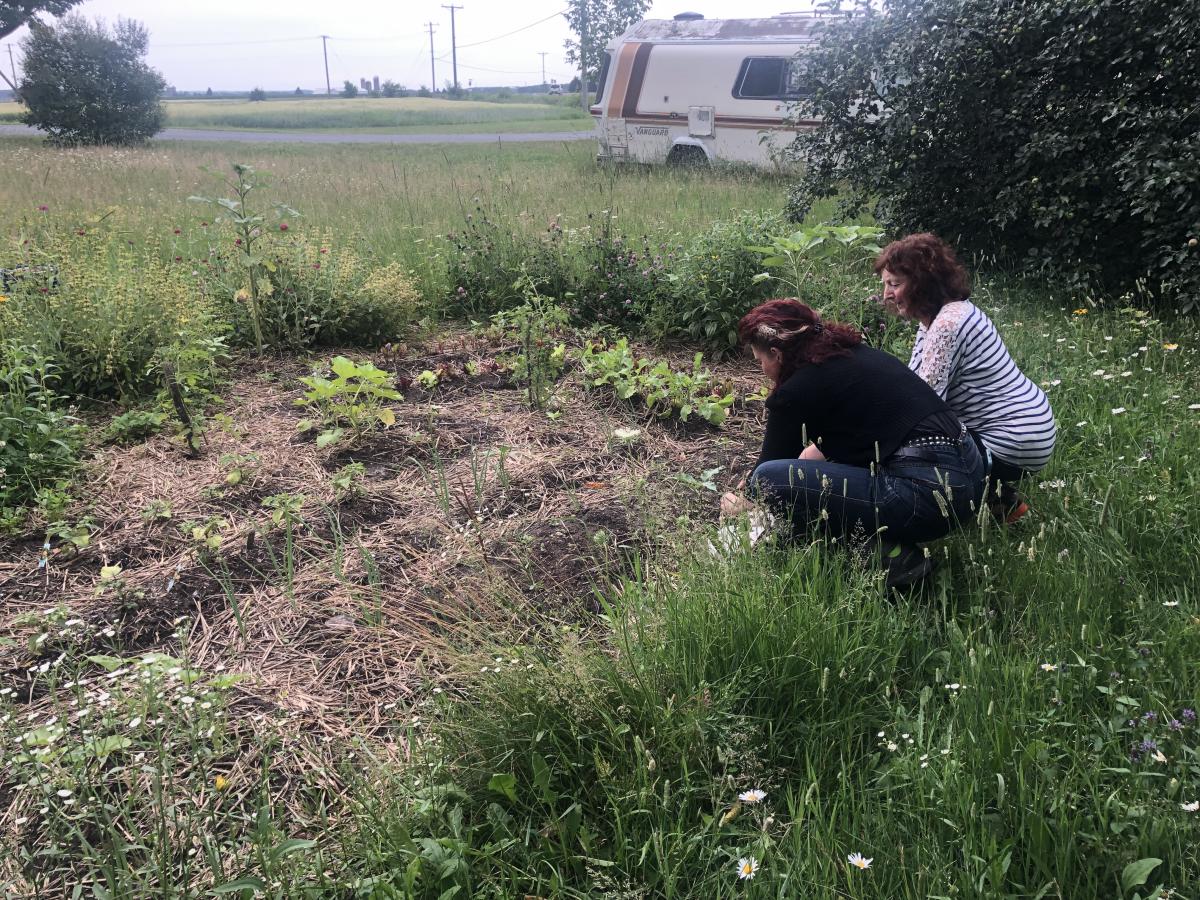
348, 552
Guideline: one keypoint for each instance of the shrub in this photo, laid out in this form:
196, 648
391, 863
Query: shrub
103, 304
1045, 133
38, 439
618, 283
257, 95
86, 85
488, 258
314, 293
714, 282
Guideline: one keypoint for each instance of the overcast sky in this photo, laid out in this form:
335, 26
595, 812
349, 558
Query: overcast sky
275, 44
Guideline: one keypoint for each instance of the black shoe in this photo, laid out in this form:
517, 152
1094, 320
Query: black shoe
906, 565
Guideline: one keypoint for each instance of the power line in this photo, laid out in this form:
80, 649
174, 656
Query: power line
314, 37
514, 31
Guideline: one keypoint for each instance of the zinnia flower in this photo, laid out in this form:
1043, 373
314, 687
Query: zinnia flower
747, 868
859, 861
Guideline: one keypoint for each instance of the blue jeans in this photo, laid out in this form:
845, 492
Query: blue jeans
918, 494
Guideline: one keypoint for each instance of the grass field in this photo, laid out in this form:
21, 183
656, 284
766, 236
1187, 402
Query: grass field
397, 199
410, 114
487, 652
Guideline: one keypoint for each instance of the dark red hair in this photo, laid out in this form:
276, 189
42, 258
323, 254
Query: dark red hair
795, 329
934, 274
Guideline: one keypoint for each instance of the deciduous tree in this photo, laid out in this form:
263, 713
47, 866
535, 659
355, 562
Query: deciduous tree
85, 84
1056, 134
595, 23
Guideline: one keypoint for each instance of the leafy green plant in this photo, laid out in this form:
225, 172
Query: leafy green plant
664, 391
351, 401
347, 481
249, 227
713, 282
536, 324
134, 426
39, 440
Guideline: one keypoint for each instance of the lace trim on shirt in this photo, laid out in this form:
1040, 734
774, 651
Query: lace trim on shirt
939, 347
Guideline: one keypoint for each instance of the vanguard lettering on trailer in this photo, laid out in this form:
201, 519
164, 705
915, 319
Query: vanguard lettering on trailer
693, 90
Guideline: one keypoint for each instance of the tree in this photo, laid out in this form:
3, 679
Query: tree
257, 95
15, 13
595, 23
349, 88
1052, 134
392, 89
85, 84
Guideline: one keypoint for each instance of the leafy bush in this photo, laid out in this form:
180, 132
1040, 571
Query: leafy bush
714, 283
86, 85
488, 258
617, 284
1050, 133
134, 426
665, 392
39, 441
351, 399
314, 293
829, 267
103, 304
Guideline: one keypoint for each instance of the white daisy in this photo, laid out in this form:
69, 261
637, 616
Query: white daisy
859, 861
747, 868
751, 797
1190, 807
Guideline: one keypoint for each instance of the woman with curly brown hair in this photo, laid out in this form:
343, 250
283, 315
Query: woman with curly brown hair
855, 441
959, 353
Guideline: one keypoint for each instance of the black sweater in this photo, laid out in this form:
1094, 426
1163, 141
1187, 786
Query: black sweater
857, 409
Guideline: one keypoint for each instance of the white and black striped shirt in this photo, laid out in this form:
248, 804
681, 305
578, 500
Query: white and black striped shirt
962, 357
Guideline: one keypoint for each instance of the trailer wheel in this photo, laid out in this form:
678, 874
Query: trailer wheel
686, 156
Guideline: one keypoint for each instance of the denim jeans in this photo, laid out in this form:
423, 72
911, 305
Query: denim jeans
918, 494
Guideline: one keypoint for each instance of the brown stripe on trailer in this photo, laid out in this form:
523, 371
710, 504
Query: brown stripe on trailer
762, 122
616, 97
636, 78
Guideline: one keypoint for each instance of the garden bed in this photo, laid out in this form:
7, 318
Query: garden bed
471, 508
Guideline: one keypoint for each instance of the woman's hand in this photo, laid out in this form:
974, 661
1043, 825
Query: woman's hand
734, 504
812, 453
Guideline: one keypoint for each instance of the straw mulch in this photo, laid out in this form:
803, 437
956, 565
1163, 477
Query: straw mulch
437, 539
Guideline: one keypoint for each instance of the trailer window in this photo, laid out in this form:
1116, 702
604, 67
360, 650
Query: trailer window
602, 80
769, 78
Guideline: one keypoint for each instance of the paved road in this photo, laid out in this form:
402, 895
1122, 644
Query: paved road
315, 137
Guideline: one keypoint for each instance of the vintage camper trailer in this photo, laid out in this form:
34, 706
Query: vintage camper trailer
690, 89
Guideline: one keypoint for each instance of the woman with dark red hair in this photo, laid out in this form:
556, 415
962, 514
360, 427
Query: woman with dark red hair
959, 353
855, 441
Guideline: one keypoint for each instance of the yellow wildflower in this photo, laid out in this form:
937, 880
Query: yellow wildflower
1080, 312
1170, 346
221, 782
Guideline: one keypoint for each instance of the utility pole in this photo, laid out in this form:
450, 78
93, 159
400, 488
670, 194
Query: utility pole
543, 56
12, 84
432, 61
453, 43
325, 50
583, 50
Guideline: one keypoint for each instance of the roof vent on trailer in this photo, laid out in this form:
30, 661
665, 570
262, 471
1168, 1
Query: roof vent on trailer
688, 16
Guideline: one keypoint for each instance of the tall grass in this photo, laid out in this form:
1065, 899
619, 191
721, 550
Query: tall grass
1026, 728
398, 201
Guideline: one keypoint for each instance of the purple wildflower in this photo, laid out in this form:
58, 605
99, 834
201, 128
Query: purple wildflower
1188, 716
1175, 725
1150, 717
1147, 745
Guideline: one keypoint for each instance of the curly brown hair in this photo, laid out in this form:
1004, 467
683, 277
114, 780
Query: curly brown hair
935, 276
797, 331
